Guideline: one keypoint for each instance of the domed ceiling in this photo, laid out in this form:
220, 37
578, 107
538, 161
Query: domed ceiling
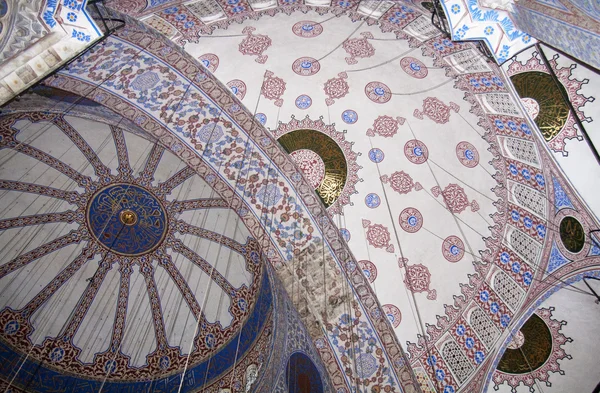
415, 144
145, 267
417, 198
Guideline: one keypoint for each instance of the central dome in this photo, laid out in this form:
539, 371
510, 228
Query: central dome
127, 219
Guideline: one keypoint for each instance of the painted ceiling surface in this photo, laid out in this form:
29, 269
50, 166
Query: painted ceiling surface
443, 219
117, 238
470, 21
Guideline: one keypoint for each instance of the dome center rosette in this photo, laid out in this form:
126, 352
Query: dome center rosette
127, 219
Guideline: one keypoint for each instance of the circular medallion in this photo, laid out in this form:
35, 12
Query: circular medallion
127, 219
376, 155
311, 165
210, 61
534, 351
531, 106
345, 234
411, 220
378, 92
453, 249
303, 102
261, 117
393, 313
307, 29
414, 67
369, 269
416, 151
372, 200
238, 88
306, 66
349, 116
543, 102
467, 154
572, 234
517, 341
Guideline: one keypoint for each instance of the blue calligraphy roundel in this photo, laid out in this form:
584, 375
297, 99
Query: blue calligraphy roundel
127, 219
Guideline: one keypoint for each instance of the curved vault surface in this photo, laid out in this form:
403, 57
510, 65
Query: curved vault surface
410, 130
462, 344
115, 236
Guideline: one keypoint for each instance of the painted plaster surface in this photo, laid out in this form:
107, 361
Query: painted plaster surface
452, 232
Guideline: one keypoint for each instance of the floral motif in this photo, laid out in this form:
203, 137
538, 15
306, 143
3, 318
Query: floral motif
358, 47
414, 67
418, 279
531, 107
307, 29
416, 151
336, 88
273, 88
306, 66
401, 182
349, 116
455, 198
378, 236
467, 154
436, 110
378, 92
255, 45
453, 249
303, 101
385, 126
310, 164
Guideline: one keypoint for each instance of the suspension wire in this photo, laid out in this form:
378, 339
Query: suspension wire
417, 313
85, 165
266, 195
220, 247
502, 242
362, 22
549, 225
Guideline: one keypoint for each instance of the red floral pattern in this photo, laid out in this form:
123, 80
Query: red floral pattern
378, 236
336, 88
255, 45
436, 110
418, 279
400, 182
455, 198
385, 126
273, 88
358, 47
